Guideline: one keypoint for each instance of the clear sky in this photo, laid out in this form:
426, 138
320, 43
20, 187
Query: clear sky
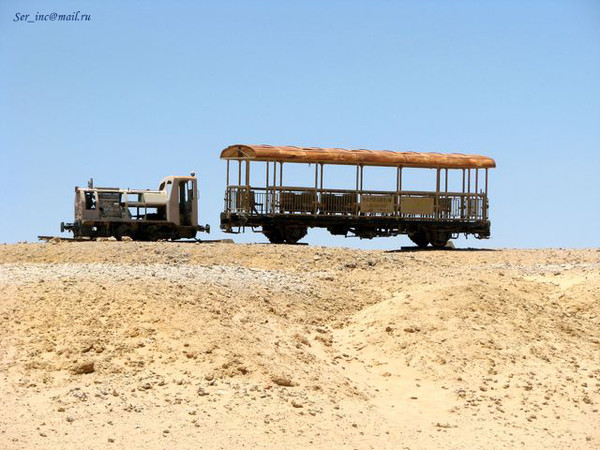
146, 89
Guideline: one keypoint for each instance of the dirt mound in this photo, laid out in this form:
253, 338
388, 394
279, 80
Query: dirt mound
217, 345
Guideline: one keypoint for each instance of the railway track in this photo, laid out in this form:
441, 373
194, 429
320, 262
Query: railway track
85, 239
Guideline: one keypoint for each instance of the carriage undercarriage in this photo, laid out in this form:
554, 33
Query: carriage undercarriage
283, 228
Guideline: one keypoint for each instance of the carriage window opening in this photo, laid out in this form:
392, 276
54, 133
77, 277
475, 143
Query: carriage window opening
417, 179
90, 200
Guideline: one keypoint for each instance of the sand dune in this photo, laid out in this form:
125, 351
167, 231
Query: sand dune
164, 345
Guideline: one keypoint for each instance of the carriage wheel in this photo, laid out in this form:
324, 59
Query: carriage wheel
274, 235
279, 235
440, 239
419, 238
294, 234
439, 244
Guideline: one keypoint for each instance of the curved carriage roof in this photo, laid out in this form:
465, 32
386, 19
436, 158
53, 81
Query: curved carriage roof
354, 157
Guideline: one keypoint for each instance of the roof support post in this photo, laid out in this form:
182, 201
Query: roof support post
485, 203
357, 186
316, 187
469, 182
469, 202
239, 172
486, 181
321, 182
437, 193
280, 184
281, 174
446, 181
273, 191
227, 193
462, 197
361, 177
477, 202
248, 173
266, 205
361, 183
446, 201
398, 188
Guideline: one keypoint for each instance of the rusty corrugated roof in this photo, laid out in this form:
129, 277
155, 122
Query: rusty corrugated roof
354, 157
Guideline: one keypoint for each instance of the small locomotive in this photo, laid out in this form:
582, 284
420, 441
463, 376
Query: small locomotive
170, 212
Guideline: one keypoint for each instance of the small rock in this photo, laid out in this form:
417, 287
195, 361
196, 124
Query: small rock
296, 404
283, 381
201, 392
70, 419
83, 368
111, 440
411, 329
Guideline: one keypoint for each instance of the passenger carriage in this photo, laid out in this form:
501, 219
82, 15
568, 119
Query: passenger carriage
284, 213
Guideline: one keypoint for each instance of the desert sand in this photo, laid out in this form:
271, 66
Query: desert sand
180, 345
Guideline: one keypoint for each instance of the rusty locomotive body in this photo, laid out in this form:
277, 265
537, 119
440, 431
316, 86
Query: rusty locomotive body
169, 212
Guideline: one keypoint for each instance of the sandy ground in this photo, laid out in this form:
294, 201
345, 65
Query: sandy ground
163, 345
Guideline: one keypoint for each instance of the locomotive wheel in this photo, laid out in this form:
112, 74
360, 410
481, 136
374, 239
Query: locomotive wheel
120, 231
147, 234
419, 238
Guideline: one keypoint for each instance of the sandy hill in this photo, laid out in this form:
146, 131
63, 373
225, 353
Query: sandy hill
164, 345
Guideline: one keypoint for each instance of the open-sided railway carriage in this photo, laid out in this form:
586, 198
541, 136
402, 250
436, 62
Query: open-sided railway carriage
286, 212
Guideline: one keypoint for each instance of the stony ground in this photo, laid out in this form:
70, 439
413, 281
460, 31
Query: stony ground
164, 345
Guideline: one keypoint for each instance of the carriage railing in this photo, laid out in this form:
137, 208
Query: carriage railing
405, 204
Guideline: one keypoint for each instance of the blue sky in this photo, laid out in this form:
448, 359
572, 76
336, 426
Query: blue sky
150, 88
